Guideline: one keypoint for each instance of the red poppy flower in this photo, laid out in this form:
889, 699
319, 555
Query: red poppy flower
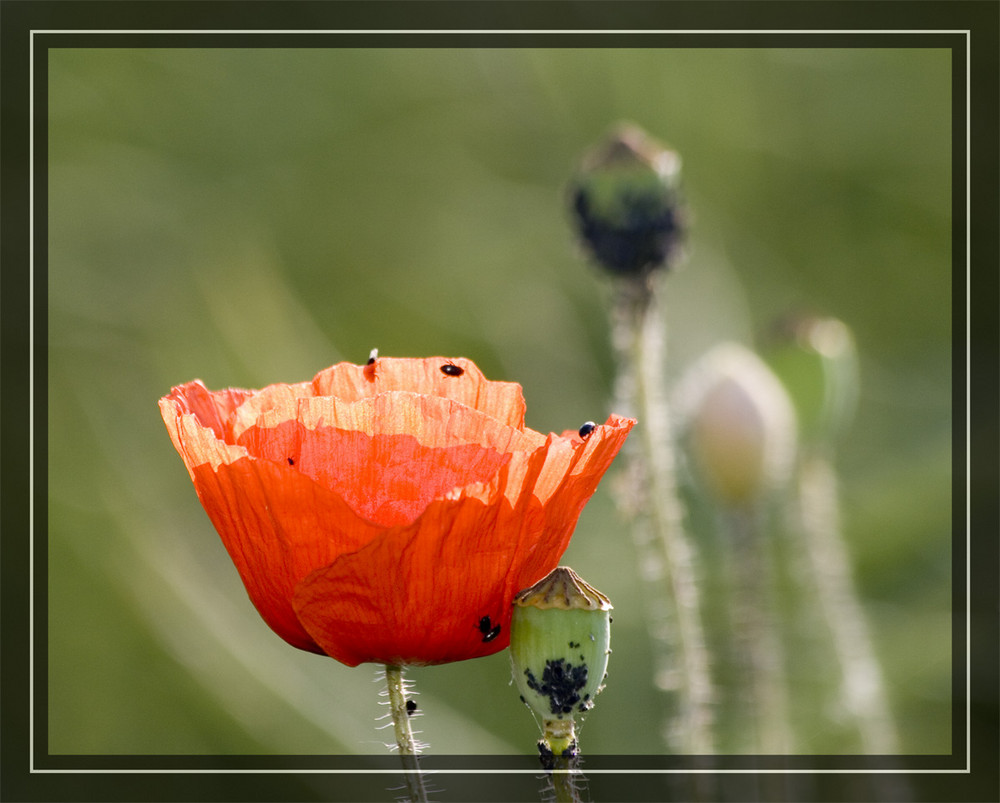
387, 512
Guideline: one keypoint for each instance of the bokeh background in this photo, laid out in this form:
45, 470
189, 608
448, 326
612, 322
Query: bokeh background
249, 216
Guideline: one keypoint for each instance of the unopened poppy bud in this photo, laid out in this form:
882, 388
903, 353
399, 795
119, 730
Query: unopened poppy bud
740, 424
560, 633
817, 361
627, 204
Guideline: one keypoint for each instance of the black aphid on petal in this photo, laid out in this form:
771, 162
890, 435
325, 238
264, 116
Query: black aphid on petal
487, 629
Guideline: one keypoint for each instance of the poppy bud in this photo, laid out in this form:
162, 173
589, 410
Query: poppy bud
741, 424
560, 633
817, 360
626, 201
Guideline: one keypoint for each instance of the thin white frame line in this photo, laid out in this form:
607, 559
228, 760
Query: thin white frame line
585, 771
967, 33
968, 400
31, 403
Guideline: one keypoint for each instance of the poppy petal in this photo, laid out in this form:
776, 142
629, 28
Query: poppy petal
432, 420
500, 400
277, 525
416, 594
387, 479
210, 408
410, 596
389, 456
194, 425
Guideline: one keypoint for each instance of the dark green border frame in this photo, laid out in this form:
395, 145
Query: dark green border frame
785, 23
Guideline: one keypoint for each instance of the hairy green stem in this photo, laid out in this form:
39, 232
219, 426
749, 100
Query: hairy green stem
404, 736
559, 740
565, 789
651, 501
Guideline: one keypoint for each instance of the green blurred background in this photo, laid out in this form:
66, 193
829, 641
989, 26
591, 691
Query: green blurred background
249, 216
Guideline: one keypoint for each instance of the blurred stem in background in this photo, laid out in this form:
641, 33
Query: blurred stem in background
650, 501
740, 427
760, 653
629, 214
863, 690
818, 360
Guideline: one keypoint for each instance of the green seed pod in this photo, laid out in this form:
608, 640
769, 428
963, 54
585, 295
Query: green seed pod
560, 634
626, 201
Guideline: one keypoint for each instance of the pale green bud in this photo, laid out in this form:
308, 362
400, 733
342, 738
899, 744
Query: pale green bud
741, 426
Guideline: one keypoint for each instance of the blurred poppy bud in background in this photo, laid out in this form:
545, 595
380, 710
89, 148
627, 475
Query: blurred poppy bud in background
740, 424
817, 361
626, 202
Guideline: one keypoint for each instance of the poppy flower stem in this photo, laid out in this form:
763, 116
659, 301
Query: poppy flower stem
404, 735
560, 757
650, 500
565, 787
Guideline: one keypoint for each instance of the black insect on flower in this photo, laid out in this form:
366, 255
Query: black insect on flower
487, 629
370, 366
450, 369
587, 428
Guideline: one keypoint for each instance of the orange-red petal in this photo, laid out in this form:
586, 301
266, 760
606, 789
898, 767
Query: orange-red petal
389, 456
278, 525
416, 594
387, 479
500, 400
